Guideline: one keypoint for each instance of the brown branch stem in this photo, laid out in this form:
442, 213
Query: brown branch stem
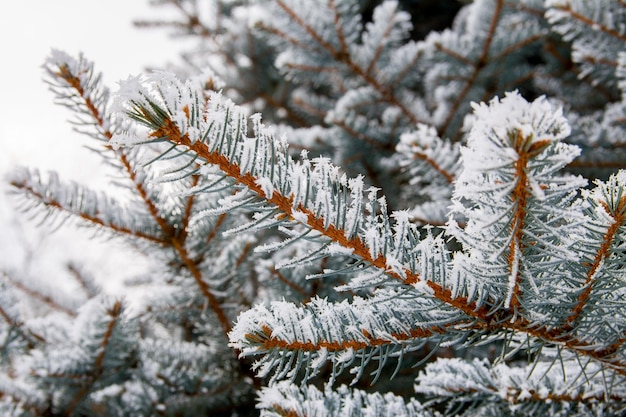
267, 341
519, 196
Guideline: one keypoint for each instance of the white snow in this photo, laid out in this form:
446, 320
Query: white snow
266, 185
300, 216
337, 249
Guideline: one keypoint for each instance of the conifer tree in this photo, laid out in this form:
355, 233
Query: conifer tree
348, 211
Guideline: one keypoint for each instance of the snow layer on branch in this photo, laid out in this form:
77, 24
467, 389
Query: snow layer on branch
522, 215
502, 119
505, 131
311, 191
339, 401
342, 333
603, 321
79, 67
520, 389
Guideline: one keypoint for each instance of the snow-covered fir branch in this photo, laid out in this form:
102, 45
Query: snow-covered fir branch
344, 212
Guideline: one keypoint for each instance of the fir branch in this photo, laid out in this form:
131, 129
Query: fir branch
519, 389
267, 342
163, 127
566, 8
343, 56
32, 337
18, 397
193, 22
618, 217
288, 400
486, 52
16, 324
529, 263
170, 237
83, 204
78, 87
594, 50
430, 166
608, 355
339, 55
72, 73
36, 295
97, 369
353, 132
222, 154
215, 229
571, 75
384, 326
477, 65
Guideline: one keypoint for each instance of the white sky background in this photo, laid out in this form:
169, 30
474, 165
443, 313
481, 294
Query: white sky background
34, 131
